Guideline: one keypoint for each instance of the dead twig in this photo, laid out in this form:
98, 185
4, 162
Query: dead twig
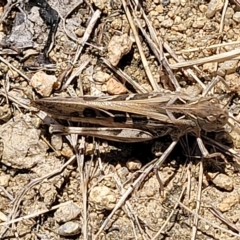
220, 216
125, 77
198, 203
154, 84
221, 57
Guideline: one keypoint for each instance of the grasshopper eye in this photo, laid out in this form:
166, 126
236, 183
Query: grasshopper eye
223, 118
211, 118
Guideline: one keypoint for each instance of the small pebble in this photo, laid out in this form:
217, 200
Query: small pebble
209, 67
67, 151
236, 17
43, 83
3, 217
56, 141
229, 66
80, 31
223, 181
12, 74
5, 113
166, 2
101, 4
167, 23
133, 165
183, 2
159, 9
69, 229
103, 197
67, 213
114, 87
117, 24
199, 23
4, 180
101, 77
122, 172
213, 7
118, 47
228, 202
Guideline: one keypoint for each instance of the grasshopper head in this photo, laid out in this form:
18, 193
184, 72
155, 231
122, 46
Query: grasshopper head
214, 122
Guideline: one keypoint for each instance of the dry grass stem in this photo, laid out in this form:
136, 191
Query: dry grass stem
155, 86
198, 202
216, 58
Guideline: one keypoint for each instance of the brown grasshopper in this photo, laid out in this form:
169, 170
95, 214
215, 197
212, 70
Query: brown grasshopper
136, 117
139, 117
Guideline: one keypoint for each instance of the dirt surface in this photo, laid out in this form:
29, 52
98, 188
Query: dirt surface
74, 187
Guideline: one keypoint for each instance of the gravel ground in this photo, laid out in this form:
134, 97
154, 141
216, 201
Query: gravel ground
73, 187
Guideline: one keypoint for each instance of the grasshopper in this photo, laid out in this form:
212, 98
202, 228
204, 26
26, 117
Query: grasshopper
139, 117
136, 117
